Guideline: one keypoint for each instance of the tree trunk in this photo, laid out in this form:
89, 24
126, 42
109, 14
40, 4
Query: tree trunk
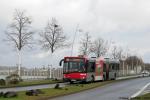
19, 62
51, 74
123, 68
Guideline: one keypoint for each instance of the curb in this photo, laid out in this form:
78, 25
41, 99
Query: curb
128, 77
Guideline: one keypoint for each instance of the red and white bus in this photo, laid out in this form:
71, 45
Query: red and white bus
89, 69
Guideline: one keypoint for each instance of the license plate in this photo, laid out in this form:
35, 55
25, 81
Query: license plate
73, 80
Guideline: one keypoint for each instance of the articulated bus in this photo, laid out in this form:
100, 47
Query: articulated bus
89, 69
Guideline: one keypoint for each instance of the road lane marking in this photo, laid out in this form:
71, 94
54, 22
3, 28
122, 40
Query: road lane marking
140, 91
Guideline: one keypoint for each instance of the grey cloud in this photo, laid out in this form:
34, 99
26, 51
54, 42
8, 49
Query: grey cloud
124, 21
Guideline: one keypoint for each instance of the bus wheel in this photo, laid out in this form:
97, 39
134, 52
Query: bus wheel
115, 76
92, 80
65, 80
71, 82
104, 78
84, 82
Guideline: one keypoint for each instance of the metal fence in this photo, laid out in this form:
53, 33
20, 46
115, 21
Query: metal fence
33, 73
57, 72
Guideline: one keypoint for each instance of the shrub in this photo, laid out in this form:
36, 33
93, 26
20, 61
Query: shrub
34, 92
14, 81
31, 93
10, 94
57, 86
55, 79
66, 88
1, 94
21, 80
2, 82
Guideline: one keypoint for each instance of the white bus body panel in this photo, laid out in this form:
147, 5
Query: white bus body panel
97, 78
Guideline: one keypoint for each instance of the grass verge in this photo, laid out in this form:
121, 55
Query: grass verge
143, 97
50, 93
70, 89
31, 83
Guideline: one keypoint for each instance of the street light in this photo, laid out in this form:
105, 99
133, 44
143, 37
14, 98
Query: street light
77, 30
123, 66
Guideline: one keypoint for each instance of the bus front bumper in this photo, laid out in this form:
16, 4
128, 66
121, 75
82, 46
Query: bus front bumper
73, 80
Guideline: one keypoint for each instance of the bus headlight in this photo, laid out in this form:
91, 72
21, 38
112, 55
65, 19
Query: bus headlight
83, 77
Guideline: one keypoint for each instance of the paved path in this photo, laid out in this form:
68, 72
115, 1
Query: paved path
31, 87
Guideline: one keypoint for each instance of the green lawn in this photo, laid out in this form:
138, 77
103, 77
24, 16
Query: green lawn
143, 97
49, 93
30, 83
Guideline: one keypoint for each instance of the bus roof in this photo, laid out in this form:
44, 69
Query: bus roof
111, 60
106, 60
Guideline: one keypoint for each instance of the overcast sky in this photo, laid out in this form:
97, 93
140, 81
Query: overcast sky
125, 22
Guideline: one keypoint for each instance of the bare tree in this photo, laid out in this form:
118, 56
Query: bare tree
52, 38
85, 44
99, 47
117, 52
19, 33
146, 67
134, 61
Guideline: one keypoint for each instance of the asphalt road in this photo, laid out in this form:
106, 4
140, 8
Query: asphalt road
115, 91
31, 87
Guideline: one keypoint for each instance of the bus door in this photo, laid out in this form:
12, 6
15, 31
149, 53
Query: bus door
90, 71
107, 71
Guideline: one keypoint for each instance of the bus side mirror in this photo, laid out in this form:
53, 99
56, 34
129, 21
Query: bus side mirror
60, 63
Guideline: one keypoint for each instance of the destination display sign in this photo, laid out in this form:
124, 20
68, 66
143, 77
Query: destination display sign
75, 59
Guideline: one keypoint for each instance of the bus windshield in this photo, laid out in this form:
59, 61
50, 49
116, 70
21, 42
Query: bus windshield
74, 66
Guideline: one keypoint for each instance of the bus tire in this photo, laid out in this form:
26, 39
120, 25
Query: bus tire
92, 79
104, 79
65, 80
84, 81
114, 77
71, 82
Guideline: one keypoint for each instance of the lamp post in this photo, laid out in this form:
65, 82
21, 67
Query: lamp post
49, 71
123, 65
77, 29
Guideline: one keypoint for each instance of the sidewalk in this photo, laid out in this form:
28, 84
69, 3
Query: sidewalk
127, 77
32, 87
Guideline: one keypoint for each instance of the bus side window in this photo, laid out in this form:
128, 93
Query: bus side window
86, 66
113, 66
65, 67
104, 68
91, 67
110, 67
118, 65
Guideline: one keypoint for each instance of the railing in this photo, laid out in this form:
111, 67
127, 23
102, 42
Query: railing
35, 73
